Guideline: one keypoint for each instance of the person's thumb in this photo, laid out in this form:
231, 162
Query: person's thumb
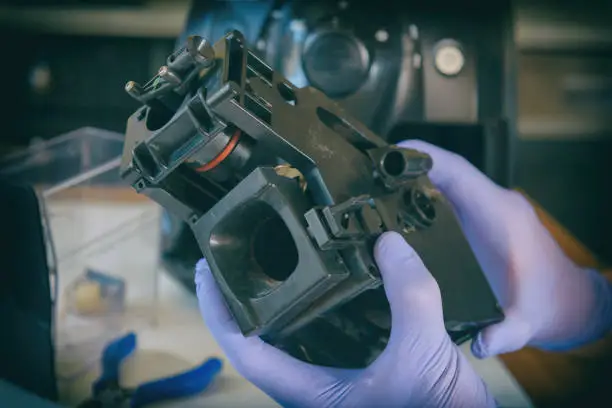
512, 334
413, 293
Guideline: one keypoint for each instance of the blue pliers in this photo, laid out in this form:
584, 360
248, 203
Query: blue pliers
108, 393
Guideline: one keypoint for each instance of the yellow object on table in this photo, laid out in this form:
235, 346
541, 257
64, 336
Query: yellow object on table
95, 294
88, 298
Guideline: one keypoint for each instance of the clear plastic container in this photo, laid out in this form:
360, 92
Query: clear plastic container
103, 242
52, 163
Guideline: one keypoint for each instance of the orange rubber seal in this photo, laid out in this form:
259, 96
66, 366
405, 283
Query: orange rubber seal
227, 150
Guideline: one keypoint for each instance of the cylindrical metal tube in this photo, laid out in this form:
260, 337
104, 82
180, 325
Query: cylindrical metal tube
401, 164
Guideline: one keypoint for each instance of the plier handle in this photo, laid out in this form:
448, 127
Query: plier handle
107, 391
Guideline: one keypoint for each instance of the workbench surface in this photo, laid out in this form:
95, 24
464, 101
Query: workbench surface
180, 339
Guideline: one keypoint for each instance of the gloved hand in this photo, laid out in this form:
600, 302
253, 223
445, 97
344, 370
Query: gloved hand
549, 302
420, 366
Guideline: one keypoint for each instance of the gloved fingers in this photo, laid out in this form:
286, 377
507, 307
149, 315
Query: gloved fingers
512, 334
413, 293
270, 369
212, 305
462, 183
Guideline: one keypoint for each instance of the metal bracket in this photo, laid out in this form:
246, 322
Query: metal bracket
349, 223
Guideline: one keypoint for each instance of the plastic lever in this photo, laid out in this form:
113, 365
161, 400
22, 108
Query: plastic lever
185, 384
112, 357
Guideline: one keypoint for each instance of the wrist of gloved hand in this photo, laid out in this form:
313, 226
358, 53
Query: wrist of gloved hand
601, 322
550, 302
591, 318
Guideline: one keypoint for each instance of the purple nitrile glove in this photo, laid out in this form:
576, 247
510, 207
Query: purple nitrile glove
420, 367
549, 301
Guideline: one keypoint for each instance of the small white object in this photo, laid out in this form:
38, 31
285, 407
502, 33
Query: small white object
297, 26
414, 32
381, 35
40, 78
417, 60
449, 59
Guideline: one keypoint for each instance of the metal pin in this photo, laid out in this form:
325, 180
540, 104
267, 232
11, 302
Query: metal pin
201, 50
414, 31
165, 73
133, 89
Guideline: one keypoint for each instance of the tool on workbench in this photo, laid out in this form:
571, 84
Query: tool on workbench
107, 391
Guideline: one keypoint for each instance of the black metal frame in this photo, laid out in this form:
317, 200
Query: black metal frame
347, 186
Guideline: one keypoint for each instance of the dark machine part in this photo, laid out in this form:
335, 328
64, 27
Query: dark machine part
436, 70
440, 71
286, 193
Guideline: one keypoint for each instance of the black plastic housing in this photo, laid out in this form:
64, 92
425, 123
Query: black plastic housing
286, 194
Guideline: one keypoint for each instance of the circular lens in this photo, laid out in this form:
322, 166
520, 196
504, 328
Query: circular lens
336, 63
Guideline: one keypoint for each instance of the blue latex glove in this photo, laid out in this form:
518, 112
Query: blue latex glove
549, 302
420, 366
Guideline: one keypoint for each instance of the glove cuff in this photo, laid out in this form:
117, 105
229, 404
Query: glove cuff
602, 316
599, 319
